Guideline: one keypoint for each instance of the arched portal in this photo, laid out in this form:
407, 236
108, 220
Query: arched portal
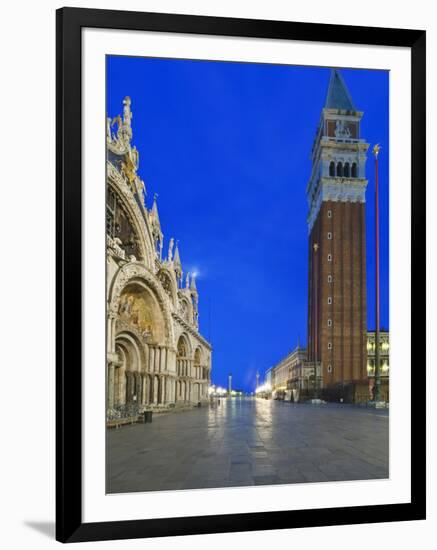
139, 310
197, 364
127, 385
183, 366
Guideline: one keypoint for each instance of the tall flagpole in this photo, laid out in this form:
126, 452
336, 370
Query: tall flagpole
377, 387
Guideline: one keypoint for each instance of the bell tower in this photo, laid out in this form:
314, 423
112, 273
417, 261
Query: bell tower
336, 191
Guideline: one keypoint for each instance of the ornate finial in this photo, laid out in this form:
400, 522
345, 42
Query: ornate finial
108, 128
187, 280
193, 282
155, 196
177, 261
170, 249
316, 247
376, 149
127, 113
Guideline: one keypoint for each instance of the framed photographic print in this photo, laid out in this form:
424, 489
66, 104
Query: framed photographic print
241, 274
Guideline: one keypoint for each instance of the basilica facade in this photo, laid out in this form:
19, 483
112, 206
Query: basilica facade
156, 356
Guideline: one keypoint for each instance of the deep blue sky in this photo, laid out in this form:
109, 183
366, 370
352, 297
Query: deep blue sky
226, 146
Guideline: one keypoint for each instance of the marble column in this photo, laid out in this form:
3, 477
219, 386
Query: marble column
139, 387
144, 393
152, 359
155, 389
111, 369
164, 389
161, 359
128, 375
156, 361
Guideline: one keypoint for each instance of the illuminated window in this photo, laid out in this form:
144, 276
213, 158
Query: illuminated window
329, 213
329, 322
329, 300
329, 257
329, 368
329, 236
329, 345
329, 278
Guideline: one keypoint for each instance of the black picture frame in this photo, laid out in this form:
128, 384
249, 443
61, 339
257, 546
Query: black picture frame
69, 24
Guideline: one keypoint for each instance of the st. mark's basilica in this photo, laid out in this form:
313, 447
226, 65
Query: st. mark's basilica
156, 356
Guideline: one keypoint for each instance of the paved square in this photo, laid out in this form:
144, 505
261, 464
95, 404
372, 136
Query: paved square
249, 442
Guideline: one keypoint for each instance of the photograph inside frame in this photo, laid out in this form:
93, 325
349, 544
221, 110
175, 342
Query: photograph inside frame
247, 276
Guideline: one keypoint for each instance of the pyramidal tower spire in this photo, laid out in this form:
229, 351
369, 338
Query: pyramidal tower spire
338, 96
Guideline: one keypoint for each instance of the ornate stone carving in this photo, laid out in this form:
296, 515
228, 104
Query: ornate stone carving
130, 272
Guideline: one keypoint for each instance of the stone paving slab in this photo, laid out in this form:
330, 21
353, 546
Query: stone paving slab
247, 442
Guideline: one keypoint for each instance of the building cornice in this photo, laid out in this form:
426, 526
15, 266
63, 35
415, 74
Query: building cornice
336, 190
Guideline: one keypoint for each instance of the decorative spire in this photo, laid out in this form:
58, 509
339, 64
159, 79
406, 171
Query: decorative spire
154, 211
193, 282
177, 265
187, 280
338, 96
177, 258
170, 250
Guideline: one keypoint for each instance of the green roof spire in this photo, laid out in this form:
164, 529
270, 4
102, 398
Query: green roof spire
338, 96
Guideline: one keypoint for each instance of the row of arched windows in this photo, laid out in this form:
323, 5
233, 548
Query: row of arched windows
343, 170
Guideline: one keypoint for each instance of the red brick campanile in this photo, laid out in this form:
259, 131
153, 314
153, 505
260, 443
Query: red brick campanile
337, 315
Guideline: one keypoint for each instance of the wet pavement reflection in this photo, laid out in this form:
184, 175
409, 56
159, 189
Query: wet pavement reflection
248, 441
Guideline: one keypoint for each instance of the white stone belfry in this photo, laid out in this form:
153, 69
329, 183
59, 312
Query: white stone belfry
339, 154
